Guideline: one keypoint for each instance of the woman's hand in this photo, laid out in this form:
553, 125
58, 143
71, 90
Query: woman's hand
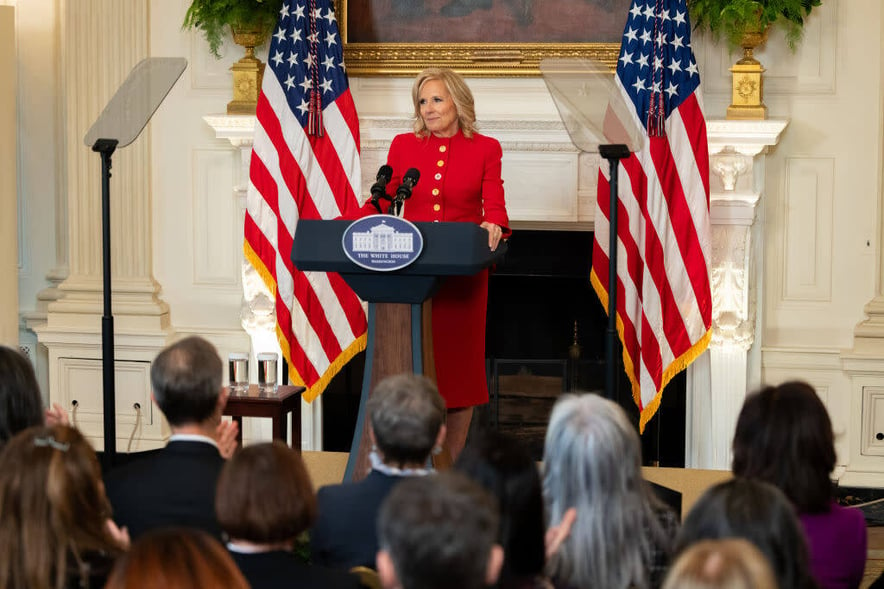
555, 535
119, 535
56, 415
494, 234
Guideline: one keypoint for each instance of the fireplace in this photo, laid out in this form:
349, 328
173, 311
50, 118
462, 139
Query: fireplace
545, 335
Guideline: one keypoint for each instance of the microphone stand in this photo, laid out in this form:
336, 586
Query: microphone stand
613, 153
395, 206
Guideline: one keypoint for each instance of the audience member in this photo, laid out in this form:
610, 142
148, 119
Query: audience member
502, 465
21, 405
758, 512
176, 486
622, 534
176, 558
55, 529
438, 533
731, 563
265, 501
784, 437
407, 417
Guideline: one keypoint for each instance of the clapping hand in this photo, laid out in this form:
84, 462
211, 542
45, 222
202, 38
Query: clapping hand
225, 436
555, 535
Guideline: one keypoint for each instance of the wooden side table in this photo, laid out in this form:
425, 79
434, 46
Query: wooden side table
277, 407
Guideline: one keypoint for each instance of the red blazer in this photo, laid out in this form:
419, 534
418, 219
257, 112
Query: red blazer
460, 178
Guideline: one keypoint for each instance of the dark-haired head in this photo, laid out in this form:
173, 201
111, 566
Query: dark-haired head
784, 437
265, 495
438, 532
21, 405
503, 466
186, 381
758, 512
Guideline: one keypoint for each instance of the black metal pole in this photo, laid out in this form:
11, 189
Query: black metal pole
106, 148
612, 153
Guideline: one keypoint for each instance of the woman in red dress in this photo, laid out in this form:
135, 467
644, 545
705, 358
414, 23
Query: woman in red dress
460, 181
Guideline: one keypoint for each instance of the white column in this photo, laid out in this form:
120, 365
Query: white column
718, 381
258, 313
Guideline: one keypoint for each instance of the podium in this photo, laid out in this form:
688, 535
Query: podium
399, 329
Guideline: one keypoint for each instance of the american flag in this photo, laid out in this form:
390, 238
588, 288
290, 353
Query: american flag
664, 303
305, 165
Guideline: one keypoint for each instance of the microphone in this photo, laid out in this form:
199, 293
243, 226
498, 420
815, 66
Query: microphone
379, 188
408, 182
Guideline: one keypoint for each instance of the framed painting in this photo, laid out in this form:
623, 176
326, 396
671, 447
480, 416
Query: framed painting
476, 37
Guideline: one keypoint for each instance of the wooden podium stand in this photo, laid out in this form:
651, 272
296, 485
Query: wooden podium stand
399, 331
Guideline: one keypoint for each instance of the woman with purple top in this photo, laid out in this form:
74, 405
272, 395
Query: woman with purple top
784, 437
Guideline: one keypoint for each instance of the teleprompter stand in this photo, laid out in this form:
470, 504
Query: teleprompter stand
120, 123
598, 120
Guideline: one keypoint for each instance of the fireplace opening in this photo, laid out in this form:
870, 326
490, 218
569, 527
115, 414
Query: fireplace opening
545, 335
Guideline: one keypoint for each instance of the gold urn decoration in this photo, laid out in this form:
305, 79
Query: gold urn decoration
248, 72
747, 80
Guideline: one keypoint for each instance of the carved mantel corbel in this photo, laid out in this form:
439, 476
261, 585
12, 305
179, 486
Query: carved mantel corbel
718, 383
736, 183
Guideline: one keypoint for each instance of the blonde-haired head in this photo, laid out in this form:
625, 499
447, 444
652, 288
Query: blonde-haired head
460, 95
731, 563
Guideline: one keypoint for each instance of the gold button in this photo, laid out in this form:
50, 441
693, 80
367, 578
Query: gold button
435, 192
440, 163
438, 176
437, 208
442, 148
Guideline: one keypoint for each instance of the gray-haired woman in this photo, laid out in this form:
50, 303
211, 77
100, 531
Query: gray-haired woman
592, 464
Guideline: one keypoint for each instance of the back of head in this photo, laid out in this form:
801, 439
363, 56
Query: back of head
784, 437
503, 466
52, 505
439, 531
176, 558
406, 413
21, 405
265, 495
186, 381
759, 513
592, 462
731, 563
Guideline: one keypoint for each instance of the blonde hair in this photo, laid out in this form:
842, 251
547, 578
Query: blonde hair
460, 95
731, 563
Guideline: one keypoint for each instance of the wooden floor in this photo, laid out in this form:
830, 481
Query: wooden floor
875, 562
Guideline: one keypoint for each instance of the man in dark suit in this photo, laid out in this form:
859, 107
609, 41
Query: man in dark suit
176, 485
407, 417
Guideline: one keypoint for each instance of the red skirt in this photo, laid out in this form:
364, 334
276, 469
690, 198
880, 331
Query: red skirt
459, 310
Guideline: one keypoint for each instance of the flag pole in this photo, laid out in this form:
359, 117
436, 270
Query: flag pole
613, 153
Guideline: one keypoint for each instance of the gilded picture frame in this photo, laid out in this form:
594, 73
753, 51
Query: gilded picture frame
519, 32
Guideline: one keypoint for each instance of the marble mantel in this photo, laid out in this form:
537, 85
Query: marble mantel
551, 185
